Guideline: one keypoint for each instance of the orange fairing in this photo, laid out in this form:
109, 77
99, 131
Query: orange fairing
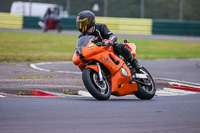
120, 84
132, 48
92, 49
119, 74
90, 52
76, 59
94, 67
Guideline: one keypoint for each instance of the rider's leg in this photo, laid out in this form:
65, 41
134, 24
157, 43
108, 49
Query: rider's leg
123, 50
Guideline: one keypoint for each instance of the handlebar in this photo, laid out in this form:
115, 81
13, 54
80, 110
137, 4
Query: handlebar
95, 41
101, 44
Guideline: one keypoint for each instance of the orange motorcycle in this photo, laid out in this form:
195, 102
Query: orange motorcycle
104, 73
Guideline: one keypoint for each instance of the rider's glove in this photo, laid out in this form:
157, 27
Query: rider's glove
107, 42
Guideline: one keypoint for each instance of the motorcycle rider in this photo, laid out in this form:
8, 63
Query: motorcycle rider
85, 23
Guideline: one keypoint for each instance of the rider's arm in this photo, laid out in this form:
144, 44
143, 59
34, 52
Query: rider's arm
107, 34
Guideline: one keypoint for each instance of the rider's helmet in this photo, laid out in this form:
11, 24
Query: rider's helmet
85, 20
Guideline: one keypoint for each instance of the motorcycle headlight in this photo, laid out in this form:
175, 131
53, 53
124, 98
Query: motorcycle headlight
124, 72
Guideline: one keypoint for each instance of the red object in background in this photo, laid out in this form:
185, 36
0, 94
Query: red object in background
50, 24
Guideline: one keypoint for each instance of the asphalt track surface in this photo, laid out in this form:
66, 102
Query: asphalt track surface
176, 114
187, 70
74, 114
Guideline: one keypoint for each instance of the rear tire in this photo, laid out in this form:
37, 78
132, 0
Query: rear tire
146, 92
99, 90
59, 28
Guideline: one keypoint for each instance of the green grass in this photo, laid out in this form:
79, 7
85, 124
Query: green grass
36, 47
162, 49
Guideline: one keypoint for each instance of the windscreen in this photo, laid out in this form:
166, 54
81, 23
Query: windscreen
83, 41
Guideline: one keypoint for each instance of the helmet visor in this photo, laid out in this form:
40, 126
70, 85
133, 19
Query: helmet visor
83, 24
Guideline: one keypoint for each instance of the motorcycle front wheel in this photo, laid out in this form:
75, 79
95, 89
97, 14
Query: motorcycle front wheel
146, 87
98, 89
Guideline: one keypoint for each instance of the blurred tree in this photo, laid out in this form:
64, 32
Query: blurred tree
80, 5
162, 9
126, 8
156, 9
191, 10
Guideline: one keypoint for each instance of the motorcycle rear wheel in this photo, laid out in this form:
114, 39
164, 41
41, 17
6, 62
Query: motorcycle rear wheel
98, 89
145, 92
59, 28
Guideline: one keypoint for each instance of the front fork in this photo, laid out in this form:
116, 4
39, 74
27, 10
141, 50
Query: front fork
100, 72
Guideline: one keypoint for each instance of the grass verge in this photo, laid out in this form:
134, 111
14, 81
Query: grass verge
37, 47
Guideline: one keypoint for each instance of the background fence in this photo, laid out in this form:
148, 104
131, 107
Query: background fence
11, 21
116, 25
31, 23
127, 25
175, 27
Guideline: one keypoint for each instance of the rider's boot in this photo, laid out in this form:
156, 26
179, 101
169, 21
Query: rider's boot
134, 62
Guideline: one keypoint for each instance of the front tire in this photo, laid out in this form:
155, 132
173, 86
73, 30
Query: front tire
146, 87
98, 89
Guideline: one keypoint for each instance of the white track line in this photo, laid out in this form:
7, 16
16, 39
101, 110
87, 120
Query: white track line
2, 96
178, 81
173, 92
37, 68
84, 94
34, 66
